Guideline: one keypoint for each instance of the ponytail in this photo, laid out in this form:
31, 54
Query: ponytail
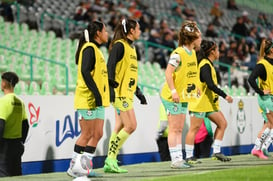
205, 48
262, 53
88, 35
122, 29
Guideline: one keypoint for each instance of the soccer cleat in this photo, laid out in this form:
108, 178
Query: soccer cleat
109, 169
71, 173
83, 178
265, 152
193, 160
180, 164
75, 174
111, 166
259, 154
94, 174
221, 157
82, 166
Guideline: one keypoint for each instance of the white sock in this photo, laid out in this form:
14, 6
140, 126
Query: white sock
74, 155
217, 146
267, 141
189, 150
174, 154
179, 150
89, 155
259, 141
271, 138
89, 162
73, 159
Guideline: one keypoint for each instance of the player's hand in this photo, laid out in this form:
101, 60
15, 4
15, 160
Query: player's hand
229, 99
266, 92
140, 96
143, 100
175, 97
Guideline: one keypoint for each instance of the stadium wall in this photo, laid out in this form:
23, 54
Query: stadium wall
54, 129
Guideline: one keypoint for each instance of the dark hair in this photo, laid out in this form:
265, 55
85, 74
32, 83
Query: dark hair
10, 77
188, 33
205, 48
265, 48
92, 29
122, 29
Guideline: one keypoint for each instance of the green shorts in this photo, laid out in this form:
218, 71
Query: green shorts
201, 115
118, 111
123, 103
90, 114
266, 103
175, 108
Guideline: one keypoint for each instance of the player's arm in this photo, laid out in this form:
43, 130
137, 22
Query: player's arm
88, 64
115, 56
173, 63
25, 128
205, 76
140, 96
259, 71
2, 127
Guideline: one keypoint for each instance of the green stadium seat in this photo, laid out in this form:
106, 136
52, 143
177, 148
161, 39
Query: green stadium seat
3, 64
17, 90
226, 89
34, 88
47, 45
241, 91
21, 88
46, 89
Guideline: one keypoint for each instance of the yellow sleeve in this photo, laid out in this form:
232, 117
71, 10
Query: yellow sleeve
3, 109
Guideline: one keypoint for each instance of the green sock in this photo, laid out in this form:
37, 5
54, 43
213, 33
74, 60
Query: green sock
116, 144
112, 138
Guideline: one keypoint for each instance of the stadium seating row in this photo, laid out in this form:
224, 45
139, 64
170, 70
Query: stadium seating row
49, 78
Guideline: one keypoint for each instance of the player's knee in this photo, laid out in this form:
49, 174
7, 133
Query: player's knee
85, 137
223, 124
131, 128
194, 129
98, 135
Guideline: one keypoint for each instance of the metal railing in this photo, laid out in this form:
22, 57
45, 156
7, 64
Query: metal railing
148, 44
31, 56
67, 22
261, 5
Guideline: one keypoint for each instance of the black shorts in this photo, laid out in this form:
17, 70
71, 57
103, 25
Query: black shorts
203, 149
11, 151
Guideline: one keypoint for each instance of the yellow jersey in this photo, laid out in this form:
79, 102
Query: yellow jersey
12, 110
126, 72
268, 83
184, 77
84, 98
208, 100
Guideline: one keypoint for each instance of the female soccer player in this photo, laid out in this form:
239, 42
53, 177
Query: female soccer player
122, 67
208, 103
91, 97
264, 88
180, 88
